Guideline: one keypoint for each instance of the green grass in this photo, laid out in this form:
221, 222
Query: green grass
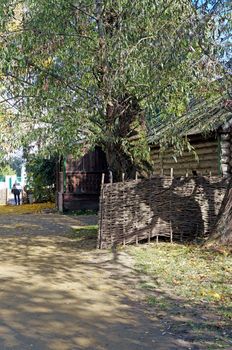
161, 302
85, 237
188, 271
189, 289
81, 212
89, 231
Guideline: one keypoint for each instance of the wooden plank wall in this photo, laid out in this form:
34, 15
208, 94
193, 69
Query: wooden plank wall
208, 151
83, 180
92, 161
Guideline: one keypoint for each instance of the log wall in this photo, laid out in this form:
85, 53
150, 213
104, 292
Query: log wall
226, 153
180, 208
208, 162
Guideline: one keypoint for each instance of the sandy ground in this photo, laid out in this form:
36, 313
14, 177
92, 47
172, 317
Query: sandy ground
56, 295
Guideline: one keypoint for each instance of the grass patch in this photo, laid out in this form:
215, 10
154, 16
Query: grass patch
81, 212
159, 302
85, 237
197, 274
25, 208
87, 232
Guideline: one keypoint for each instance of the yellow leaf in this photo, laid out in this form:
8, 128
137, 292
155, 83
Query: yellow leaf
215, 295
47, 63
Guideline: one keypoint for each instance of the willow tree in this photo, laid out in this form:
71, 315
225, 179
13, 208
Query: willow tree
80, 73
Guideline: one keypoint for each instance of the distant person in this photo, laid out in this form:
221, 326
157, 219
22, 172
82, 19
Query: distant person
16, 189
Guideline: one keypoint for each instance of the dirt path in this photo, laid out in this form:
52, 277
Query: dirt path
55, 295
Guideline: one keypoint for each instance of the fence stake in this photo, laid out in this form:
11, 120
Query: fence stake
171, 234
123, 204
111, 177
101, 211
170, 211
149, 237
103, 179
171, 173
151, 212
136, 240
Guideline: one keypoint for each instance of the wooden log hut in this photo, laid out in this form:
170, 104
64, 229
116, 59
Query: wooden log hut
79, 180
213, 147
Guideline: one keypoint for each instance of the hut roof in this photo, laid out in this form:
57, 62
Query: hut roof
199, 119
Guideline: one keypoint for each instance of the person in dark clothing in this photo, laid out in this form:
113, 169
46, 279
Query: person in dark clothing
16, 192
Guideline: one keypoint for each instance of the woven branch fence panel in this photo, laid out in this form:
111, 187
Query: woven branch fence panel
181, 209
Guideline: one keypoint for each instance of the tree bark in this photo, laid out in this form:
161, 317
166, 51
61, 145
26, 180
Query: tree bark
125, 144
222, 232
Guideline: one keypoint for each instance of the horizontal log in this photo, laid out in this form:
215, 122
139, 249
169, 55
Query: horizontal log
171, 162
225, 152
225, 144
189, 164
225, 168
225, 159
196, 146
227, 125
225, 137
183, 172
203, 151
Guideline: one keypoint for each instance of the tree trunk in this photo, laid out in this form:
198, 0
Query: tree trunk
222, 232
119, 162
125, 140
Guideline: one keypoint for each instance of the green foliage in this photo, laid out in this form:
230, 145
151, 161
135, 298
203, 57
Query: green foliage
41, 178
16, 164
5, 169
67, 67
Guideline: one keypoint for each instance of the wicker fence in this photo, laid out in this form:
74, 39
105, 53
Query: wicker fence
181, 208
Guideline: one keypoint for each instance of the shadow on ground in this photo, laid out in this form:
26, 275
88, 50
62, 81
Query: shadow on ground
58, 294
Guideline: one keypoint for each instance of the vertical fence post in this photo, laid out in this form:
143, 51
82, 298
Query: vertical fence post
151, 216
136, 179
170, 208
101, 206
123, 204
111, 177
111, 234
171, 173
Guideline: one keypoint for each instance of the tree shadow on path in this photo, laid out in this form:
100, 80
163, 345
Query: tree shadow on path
56, 295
